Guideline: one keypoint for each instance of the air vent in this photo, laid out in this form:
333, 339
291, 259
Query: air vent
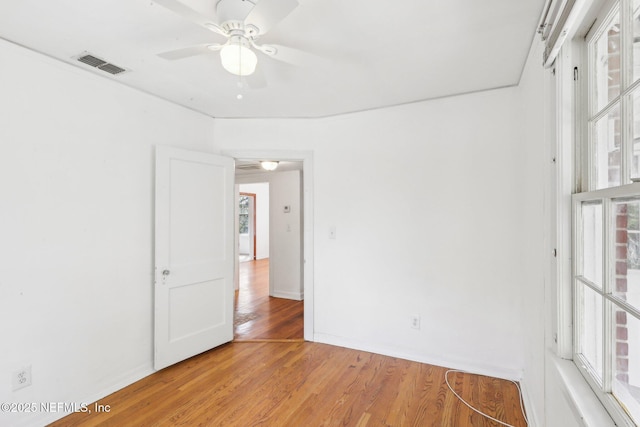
111, 69
91, 60
100, 64
248, 166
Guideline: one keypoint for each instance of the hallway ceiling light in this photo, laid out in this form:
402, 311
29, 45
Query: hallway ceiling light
269, 165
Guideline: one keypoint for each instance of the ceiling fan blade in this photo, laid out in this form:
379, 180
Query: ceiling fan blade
257, 79
186, 52
186, 12
268, 13
288, 54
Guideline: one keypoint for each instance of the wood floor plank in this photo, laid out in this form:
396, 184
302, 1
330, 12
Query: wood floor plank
303, 384
275, 379
310, 397
270, 318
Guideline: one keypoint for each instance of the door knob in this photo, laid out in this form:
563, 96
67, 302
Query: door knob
166, 272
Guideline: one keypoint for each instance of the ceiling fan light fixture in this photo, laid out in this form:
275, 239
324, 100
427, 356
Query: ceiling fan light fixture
269, 165
238, 58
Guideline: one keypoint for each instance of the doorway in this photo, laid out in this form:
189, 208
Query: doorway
305, 160
247, 226
270, 300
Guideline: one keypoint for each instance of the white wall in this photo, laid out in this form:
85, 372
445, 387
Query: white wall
76, 223
261, 190
425, 200
244, 244
285, 262
534, 230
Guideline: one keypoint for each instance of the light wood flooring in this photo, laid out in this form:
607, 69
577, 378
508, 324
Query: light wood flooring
303, 384
259, 316
300, 384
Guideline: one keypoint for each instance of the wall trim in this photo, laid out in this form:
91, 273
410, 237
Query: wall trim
298, 296
533, 420
119, 383
431, 359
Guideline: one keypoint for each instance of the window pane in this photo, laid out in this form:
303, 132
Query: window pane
592, 243
626, 362
627, 251
244, 224
636, 40
635, 156
244, 204
244, 215
607, 64
606, 147
590, 309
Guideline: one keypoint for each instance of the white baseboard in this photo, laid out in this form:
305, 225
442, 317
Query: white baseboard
431, 359
105, 389
532, 415
298, 296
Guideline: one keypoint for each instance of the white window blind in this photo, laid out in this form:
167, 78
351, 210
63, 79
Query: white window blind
557, 18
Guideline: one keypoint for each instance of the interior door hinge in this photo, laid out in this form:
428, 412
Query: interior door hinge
575, 74
554, 252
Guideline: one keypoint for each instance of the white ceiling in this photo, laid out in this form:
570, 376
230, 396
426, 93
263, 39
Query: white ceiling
252, 167
366, 53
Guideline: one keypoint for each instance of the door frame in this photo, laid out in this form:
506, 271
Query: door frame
306, 157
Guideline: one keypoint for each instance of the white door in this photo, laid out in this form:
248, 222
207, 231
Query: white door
194, 254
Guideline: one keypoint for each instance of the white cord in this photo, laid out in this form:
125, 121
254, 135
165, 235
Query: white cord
446, 379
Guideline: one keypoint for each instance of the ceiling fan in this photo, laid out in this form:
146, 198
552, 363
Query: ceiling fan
242, 22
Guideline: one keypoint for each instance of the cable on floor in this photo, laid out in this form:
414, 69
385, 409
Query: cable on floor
446, 379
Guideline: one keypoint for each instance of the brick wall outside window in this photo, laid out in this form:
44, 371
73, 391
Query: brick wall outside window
621, 269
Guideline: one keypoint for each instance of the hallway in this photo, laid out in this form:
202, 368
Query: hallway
259, 317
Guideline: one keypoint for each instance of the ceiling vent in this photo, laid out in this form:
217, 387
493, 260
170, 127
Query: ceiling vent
101, 64
248, 166
111, 69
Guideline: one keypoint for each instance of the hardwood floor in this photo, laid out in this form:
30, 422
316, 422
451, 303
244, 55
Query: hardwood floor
298, 384
303, 384
259, 316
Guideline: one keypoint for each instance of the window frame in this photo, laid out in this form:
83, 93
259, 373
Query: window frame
602, 390
585, 190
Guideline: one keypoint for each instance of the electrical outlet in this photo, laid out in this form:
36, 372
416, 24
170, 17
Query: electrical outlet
21, 378
415, 322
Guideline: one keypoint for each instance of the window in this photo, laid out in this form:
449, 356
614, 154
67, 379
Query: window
607, 216
244, 214
607, 294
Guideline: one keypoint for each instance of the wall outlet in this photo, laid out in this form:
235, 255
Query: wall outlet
21, 378
414, 322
